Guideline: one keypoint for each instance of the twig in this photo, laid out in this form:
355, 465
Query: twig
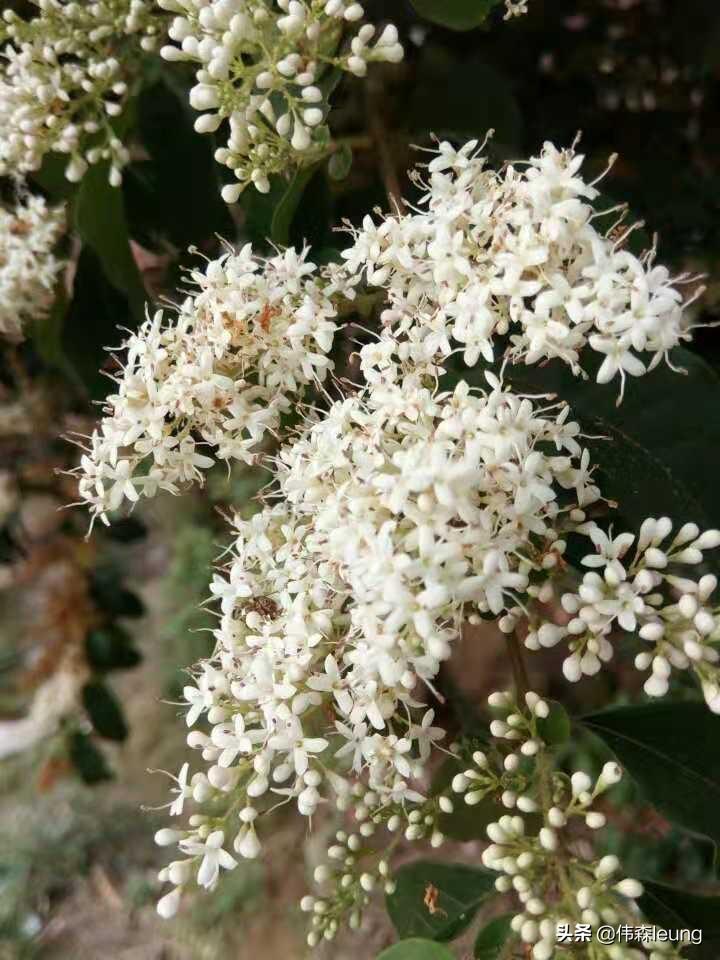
381, 139
517, 663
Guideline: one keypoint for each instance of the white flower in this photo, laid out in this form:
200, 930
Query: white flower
213, 857
486, 254
425, 735
29, 269
182, 791
213, 381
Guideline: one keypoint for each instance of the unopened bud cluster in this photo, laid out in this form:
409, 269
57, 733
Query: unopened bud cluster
535, 848
264, 68
644, 591
358, 862
66, 77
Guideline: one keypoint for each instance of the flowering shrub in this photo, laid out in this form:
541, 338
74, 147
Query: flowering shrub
397, 513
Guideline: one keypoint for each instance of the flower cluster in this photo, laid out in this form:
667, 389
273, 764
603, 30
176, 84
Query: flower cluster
544, 865
397, 513
515, 8
516, 253
403, 511
644, 592
29, 269
218, 375
264, 67
65, 78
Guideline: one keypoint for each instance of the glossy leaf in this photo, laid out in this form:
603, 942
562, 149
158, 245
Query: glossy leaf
88, 760
555, 728
177, 166
96, 311
111, 648
416, 949
104, 711
101, 223
667, 748
287, 207
646, 456
675, 909
454, 891
492, 938
455, 14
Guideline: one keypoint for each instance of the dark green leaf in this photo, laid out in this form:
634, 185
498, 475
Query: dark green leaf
111, 648
676, 910
113, 598
465, 822
667, 748
46, 334
152, 186
455, 14
88, 760
51, 177
101, 223
416, 949
104, 711
96, 310
555, 728
646, 456
462, 99
492, 938
287, 207
459, 892
340, 162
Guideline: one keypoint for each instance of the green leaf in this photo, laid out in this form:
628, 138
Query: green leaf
646, 456
111, 648
112, 597
416, 949
96, 311
88, 760
340, 162
461, 99
46, 334
465, 822
104, 711
676, 910
152, 186
468, 822
455, 14
555, 728
458, 892
101, 223
667, 749
492, 938
287, 207
51, 177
